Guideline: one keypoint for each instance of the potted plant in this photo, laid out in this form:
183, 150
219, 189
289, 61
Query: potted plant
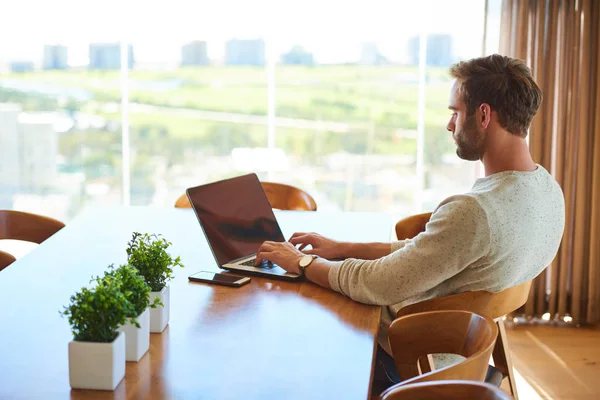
148, 254
137, 292
97, 351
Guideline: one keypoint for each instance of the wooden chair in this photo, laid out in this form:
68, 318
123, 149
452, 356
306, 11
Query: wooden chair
6, 259
492, 305
281, 197
446, 390
410, 227
415, 336
17, 225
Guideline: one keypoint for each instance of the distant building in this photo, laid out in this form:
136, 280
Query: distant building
38, 150
28, 150
194, 53
439, 50
21, 66
297, 56
106, 56
370, 55
55, 57
10, 166
245, 52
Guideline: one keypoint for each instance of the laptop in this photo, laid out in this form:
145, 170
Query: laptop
236, 218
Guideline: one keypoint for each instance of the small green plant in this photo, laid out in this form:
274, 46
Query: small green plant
135, 288
148, 254
96, 314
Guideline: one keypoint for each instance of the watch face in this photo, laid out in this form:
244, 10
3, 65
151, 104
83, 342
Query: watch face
304, 261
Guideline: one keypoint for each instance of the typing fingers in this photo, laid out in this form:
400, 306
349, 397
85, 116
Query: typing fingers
264, 254
296, 234
268, 246
302, 239
260, 256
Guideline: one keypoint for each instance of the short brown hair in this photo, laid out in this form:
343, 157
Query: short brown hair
505, 84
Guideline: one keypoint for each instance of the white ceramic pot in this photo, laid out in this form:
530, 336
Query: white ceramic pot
137, 340
97, 365
159, 316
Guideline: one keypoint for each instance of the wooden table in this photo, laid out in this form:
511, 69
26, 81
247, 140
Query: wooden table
266, 340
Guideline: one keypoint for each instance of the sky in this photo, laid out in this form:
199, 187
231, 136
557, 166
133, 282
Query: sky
333, 30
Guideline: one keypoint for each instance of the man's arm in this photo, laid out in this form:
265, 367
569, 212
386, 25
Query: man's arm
365, 251
456, 237
334, 250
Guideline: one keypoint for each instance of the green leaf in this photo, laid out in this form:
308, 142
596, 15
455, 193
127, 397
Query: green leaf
147, 253
96, 314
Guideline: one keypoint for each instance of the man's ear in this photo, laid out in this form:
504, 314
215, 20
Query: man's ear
486, 114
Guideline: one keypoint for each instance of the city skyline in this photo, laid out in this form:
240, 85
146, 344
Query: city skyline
367, 53
331, 36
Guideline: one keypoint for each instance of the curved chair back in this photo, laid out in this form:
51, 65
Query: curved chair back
18, 225
183, 202
286, 197
5, 259
445, 390
410, 227
451, 332
280, 196
493, 305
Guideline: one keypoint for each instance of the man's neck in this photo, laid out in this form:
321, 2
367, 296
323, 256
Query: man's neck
507, 153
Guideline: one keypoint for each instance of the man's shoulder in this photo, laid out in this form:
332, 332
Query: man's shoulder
461, 217
518, 189
461, 206
463, 202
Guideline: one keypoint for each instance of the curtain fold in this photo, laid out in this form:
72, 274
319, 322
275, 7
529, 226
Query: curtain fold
559, 40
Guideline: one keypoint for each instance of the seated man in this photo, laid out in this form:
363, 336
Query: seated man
502, 233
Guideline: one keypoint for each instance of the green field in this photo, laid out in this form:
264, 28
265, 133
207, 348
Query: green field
378, 106
380, 95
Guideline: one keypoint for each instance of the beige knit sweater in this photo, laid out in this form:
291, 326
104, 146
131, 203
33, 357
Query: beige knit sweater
502, 233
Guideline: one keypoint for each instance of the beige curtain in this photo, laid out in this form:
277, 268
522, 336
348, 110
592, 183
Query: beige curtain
559, 40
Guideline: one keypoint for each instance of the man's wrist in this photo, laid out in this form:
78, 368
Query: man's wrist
318, 272
347, 250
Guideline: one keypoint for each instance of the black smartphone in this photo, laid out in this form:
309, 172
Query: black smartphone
219, 279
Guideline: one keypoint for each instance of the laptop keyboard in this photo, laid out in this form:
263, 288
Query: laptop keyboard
264, 264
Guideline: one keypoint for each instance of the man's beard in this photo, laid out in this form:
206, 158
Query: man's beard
470, 140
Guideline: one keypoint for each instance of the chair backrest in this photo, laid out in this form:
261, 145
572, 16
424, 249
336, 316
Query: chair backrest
280, 196
286, 197
6, 259
183, 202
493, 305
410, 227
29, 227
450, 332
445, 390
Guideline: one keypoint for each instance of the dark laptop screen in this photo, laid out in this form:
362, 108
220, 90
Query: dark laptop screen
236, 216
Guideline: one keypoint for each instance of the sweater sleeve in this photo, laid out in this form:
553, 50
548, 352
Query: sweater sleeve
397, 245
456, 236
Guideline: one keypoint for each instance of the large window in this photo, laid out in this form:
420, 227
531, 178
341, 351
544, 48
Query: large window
347, 100
198, 96
59, 78
132, 104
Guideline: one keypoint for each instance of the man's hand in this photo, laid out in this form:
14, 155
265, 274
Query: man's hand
284, 254
321, 246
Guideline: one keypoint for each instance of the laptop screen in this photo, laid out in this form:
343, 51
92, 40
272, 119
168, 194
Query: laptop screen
236, 217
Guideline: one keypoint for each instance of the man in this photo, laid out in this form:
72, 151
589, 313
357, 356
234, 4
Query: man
502, 233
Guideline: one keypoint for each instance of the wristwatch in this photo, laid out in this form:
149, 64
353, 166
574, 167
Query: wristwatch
305, 261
